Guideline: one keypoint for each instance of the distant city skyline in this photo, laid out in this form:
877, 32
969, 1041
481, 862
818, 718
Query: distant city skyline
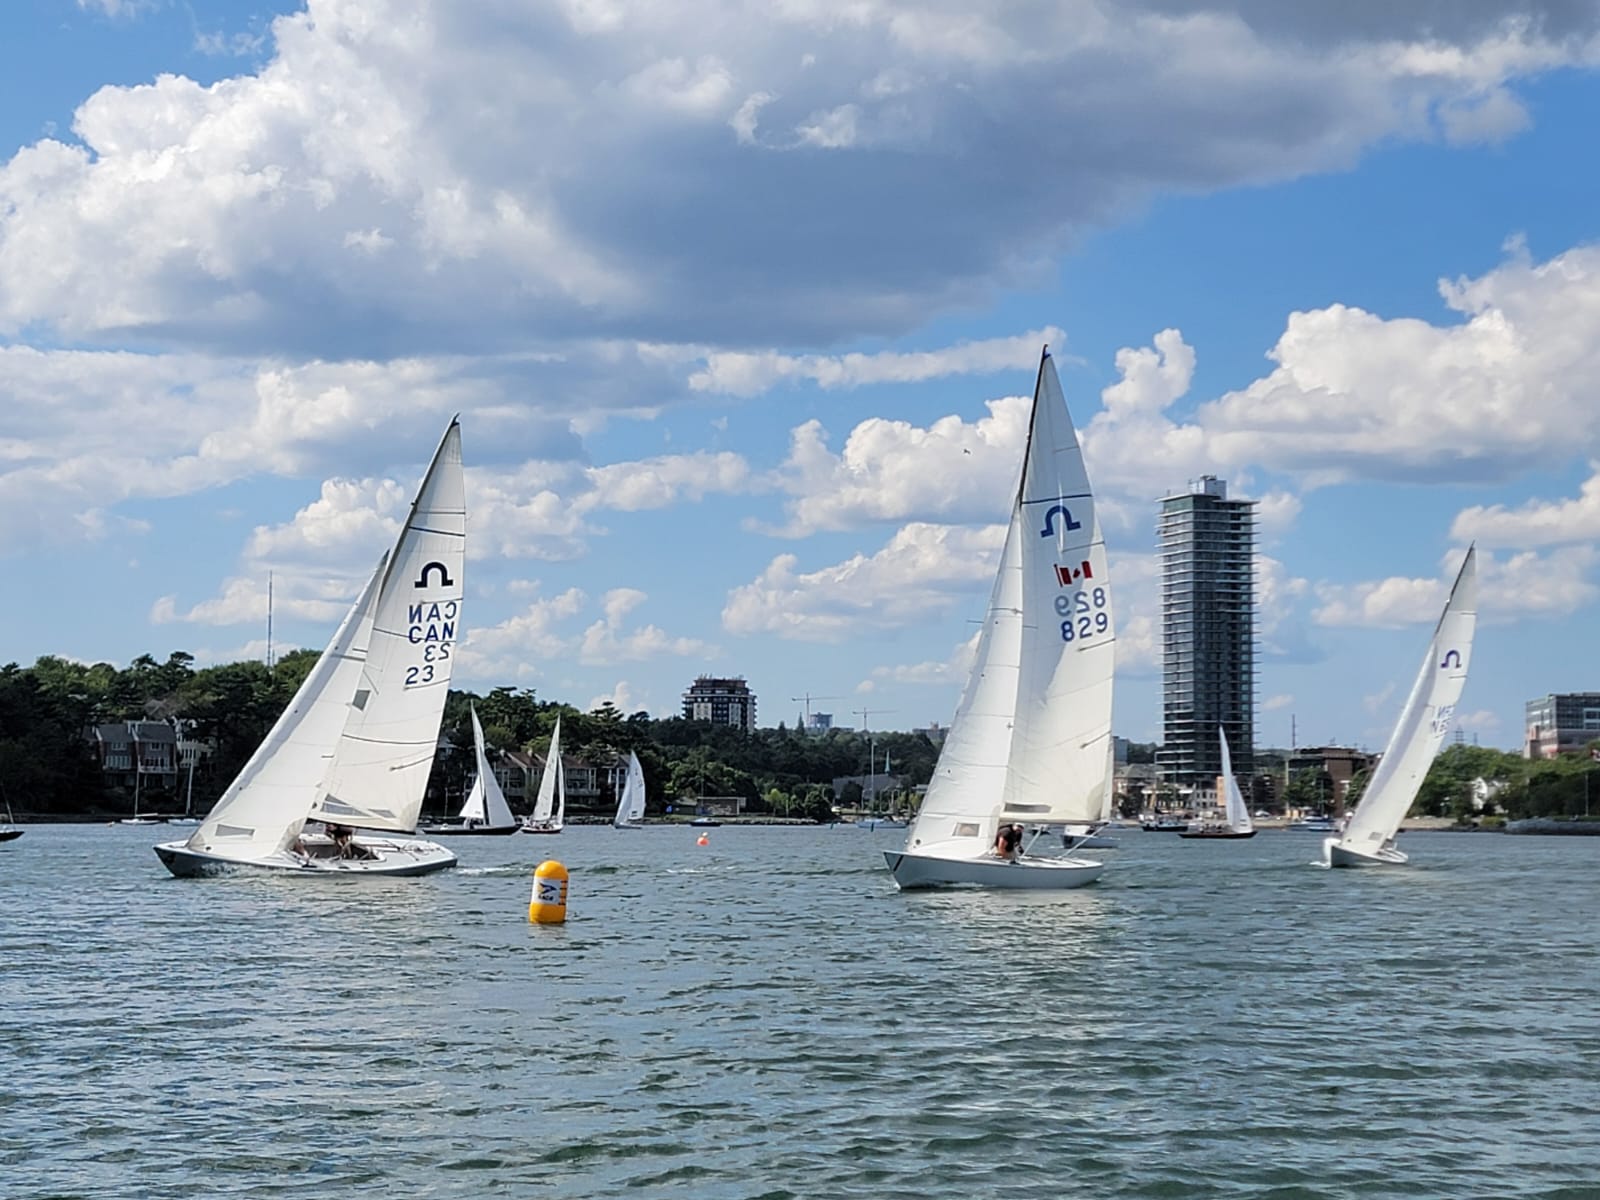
741, 308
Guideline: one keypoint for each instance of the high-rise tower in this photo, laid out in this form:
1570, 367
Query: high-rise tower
1207, 632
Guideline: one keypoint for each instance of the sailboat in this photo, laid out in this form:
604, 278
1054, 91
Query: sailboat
485, 810
1236, 821
355, 746
550, 805
9, 831
630, 805
1031, 739
1368, 836
188, 800
138, 775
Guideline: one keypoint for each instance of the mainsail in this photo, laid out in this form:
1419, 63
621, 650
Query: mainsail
1234, 807
1031, 739
386, 751
552, 797
485, 803
630, 806
1424, 721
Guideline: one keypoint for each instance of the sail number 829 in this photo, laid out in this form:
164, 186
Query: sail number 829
1085, 613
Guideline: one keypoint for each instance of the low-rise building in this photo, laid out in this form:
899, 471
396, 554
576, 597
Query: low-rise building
1561, 723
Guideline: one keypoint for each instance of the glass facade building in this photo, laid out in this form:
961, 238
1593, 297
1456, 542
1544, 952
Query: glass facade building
1207, 633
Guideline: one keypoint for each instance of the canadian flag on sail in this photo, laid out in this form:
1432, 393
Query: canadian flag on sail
1066, 576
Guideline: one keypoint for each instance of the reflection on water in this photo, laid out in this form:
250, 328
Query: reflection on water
766, 1016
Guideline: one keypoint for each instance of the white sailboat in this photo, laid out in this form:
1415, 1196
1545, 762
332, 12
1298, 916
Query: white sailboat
485, 810
9, 831
1368, 837
1236, 822
188, 817
356, 744
550, 805
630, 805
1031, 740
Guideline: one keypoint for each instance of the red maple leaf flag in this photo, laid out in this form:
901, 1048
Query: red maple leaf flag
1065, 575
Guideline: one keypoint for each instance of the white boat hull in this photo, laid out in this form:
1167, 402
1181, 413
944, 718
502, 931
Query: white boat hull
1346, 856
389, 856
1026, 874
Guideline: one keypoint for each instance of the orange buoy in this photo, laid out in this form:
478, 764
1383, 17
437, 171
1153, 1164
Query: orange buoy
703, 841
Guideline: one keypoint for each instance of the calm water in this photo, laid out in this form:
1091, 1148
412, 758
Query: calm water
767, 1017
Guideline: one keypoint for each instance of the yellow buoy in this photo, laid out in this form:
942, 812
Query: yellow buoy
548, 905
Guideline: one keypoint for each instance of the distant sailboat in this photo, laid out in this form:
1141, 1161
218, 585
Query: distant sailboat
1031, 740
550, 806
630, 805
188, 817
9, 831
1236, 815
1368, 837
356, 745
485, 810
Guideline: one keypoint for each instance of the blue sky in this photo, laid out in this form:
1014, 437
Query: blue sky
740, 305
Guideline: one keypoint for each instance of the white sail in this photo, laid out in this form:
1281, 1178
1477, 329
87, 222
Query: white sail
265, 807
960, 813
551, 802
386, 752
1031, 740
1423, 723
485, 803
630, 805
1059, 743
1234, 808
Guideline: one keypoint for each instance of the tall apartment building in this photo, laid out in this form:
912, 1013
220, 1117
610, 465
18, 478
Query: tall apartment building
1561, 723
721, 701
1207, 633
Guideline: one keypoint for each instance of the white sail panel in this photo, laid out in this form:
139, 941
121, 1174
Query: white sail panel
630, 805
486, 802
1235, 810
386, 752
960, 814
550, 781
265, 807
1424, 721
1059, 762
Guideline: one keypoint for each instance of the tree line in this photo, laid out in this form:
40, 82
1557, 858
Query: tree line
48, 767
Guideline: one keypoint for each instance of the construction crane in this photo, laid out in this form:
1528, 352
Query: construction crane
808, 698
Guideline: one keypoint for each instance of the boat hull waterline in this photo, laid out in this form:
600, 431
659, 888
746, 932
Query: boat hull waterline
468, 830
1217, 834
389, 856
1029, 873
1344, 856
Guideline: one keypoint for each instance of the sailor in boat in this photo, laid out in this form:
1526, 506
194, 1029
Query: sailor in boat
1008, 843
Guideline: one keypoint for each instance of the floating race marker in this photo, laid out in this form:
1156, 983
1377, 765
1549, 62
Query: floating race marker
548, 904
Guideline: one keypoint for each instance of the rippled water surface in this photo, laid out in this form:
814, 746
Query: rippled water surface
767, 1017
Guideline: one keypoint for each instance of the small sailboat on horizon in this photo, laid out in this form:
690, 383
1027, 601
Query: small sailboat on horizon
630, 805
550, 805
484, 812
1236, 822
356, 744
1030, 742
1368, 837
